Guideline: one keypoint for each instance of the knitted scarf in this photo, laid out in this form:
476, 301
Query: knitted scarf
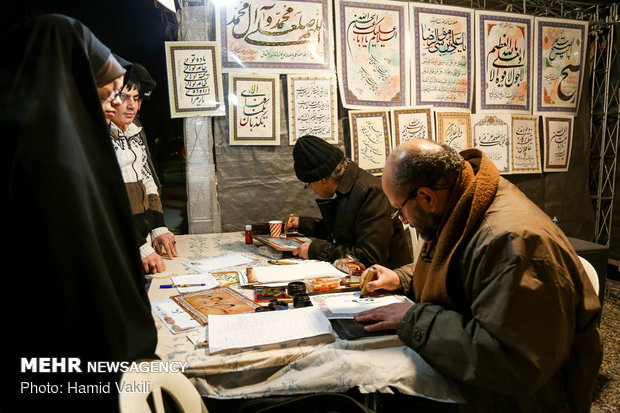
471, 196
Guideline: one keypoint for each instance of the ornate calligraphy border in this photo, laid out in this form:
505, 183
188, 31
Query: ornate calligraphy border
569, 121
274, 81
333, 104
354, 115
348, 98
540, 22
534, 120
230, 64
480, 122
440, 118
397, 113
481, 103
442, 11
176, 110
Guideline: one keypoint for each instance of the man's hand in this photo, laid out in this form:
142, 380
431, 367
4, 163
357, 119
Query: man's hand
302, 250
387, 317
153, 264
294, 224
385, 279
167, 243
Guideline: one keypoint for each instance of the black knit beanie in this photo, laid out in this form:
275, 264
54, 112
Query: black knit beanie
314, 158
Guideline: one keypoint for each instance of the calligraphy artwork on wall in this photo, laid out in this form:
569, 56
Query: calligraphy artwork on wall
525, 145
558, 131
312, 107
254, 109
194, 79
276, 35
413, 123
370, 139
504, 62
371, 37
491, 134
442, 72
453, 129
560, 56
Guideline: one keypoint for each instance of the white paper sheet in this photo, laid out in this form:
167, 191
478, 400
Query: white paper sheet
206, 279
174, 317
249, 330
205, 265
287, 273
345, 305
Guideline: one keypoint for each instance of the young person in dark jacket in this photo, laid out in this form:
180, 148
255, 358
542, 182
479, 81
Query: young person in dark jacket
356, 215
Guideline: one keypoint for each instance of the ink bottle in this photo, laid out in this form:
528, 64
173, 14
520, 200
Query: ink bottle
248, 234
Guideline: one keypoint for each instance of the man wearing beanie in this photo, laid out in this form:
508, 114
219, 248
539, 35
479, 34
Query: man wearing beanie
356, 215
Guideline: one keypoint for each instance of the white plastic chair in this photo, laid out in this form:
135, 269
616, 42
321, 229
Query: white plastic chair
591, 273
175, 384
416, 242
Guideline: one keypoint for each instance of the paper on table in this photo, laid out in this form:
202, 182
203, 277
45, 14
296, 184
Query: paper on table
174, 317
207, 279
243, 331
205, 265
285, 273
345, 305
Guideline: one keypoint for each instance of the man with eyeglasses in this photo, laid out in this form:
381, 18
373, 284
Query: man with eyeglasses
355, 214
131, 149
503, 305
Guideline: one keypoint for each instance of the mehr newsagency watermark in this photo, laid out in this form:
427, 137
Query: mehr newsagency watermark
75, 365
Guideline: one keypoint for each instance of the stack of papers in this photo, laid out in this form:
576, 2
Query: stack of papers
287, 273
268, 329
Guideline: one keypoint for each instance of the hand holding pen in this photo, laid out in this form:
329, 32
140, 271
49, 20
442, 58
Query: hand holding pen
377, 278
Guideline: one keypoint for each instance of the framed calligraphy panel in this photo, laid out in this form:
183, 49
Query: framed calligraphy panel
371, 37
254, 109
413, 123
194, 79
312, 107
560, 58
558, 131
491, 134
453, 129
525, 145
504, 62
283, 36
370, 139
442, 72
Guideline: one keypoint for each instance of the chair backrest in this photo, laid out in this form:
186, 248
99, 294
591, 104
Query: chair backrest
176, 385
416, 242
592, 275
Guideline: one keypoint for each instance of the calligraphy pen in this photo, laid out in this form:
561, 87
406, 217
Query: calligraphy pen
371, 274
278, 262
181, 285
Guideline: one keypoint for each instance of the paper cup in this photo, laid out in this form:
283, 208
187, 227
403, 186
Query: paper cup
275, 228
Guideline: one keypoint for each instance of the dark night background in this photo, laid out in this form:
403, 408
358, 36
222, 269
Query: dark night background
136, 30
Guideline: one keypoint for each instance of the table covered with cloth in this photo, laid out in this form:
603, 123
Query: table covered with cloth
374, 364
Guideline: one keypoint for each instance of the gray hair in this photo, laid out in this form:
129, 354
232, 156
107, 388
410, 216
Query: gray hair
413, 169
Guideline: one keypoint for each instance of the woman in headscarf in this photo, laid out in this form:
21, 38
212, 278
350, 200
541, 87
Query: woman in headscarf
77, 284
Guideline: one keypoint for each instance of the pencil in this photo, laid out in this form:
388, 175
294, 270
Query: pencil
371, 274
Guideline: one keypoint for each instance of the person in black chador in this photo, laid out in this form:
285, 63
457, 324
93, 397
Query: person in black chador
79, 285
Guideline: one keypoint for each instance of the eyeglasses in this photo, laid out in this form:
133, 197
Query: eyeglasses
398, 213
115, 94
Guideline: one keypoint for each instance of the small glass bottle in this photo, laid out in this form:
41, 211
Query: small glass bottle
248, 234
